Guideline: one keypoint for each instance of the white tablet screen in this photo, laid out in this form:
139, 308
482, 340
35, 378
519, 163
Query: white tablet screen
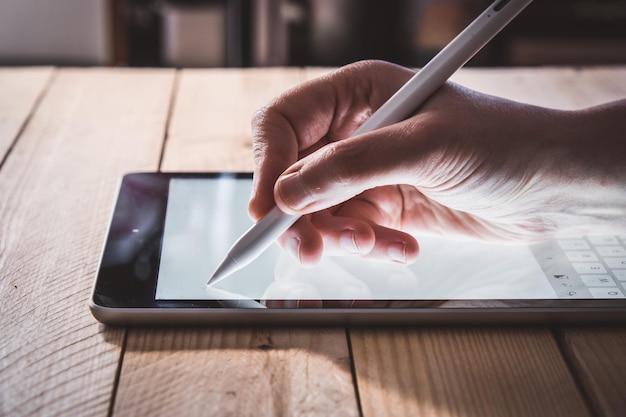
205, 216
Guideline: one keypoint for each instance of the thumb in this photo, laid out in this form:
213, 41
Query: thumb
344, 169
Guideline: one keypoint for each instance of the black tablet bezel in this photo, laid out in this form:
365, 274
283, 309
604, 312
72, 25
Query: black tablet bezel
119, 286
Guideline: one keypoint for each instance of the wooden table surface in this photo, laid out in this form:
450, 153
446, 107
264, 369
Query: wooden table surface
66, 137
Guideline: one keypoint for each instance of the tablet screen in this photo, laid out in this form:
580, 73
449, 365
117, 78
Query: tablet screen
204, 217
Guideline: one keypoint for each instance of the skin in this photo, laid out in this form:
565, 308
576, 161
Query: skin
467, 165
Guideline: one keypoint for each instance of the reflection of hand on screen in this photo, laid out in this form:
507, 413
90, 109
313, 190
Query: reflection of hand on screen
340, 282
303, 287
385, 280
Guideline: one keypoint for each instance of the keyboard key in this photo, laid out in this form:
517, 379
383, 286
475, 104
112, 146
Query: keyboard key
573, 244
573, 294
581, 256
589, 268
620, 274
561, 277
611, 251
615, 263
603, 240
598, 280
606, 292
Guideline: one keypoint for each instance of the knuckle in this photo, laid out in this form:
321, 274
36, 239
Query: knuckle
266, 122
343, 158
261, 118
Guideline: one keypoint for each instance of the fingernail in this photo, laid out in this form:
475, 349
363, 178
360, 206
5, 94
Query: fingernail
293, 247
397, 252
292, 192
348, 242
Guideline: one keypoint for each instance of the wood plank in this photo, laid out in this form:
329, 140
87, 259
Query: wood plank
469, 372
210, 128
234, 372
57, 189
598, 357
19, 90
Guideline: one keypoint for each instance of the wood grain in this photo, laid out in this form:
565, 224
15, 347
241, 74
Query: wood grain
598, 356
19, 90
236, 372
463, 372
57, 188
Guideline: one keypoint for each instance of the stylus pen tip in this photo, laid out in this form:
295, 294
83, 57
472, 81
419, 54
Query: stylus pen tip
227, 267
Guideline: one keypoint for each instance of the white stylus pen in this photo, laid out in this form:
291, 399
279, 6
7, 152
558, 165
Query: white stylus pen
404, 102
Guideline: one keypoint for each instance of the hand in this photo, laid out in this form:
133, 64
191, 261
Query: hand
467, 164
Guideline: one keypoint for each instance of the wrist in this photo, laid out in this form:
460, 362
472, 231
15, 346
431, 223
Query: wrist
592, 169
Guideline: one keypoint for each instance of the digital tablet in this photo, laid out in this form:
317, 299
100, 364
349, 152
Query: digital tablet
168, 232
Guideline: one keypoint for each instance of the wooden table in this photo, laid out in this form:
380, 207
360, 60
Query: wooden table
66, 137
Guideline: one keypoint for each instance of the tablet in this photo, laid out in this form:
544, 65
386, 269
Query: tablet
168, 232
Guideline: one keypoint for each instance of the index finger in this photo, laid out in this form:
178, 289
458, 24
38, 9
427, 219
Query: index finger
311, 115
279, 130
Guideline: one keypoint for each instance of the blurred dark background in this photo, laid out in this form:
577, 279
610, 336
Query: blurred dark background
247, 33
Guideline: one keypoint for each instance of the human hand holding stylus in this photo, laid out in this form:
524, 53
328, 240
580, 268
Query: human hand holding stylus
398, 105
466, 164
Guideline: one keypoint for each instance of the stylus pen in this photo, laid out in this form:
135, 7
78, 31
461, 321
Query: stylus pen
404, 102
